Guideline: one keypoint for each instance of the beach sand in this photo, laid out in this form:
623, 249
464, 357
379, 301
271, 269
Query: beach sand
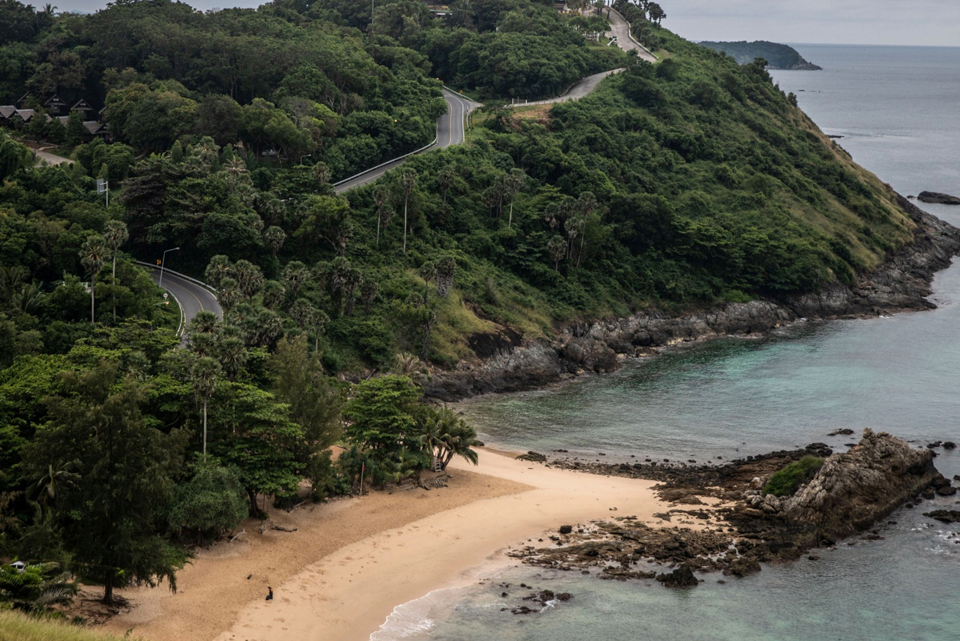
351, 562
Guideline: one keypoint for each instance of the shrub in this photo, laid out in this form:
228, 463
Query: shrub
788, 480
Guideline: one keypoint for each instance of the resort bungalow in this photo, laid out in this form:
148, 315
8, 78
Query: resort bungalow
55, 106
83, 108
24, 99
6, 113
23, 116
99, 130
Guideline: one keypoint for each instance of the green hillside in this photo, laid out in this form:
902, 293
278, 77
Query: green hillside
674, 186
779, 56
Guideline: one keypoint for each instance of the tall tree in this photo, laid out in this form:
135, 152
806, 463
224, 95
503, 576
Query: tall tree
381, 198
111, 516
408, 183
93, 255
204, 374
115, 234
273, 238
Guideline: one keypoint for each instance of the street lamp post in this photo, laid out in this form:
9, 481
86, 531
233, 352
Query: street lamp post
163, 262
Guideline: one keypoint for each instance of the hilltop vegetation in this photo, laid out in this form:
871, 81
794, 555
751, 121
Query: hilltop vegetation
777, 55
678, 185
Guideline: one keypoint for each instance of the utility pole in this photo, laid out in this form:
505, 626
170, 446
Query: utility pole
163, 262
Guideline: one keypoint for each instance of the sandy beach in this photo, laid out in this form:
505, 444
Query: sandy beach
350, 563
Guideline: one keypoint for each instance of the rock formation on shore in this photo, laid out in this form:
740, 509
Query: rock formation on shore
850, 493
855, 489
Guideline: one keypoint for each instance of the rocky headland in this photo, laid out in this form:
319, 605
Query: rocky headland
511, 364
744, 524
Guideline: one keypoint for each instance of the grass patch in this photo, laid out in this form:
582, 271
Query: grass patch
788, 480
15, 626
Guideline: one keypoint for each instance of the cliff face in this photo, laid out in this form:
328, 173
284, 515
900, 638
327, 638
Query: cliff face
855, 489
901, 284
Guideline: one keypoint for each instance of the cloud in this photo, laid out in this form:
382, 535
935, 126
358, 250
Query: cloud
919, 22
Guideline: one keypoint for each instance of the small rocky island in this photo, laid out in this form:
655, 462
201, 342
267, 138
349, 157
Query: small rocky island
769, 508
778, 55
934, 198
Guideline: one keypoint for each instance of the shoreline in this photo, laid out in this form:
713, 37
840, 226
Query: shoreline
510, 364
413, 543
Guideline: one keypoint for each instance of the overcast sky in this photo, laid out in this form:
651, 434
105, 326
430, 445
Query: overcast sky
888, 22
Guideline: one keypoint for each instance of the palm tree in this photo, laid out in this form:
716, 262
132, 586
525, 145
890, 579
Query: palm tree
115, 234
232, 353
228, 295
428, 271
45, 488
381, 198
249, 277
445, 181
514, 183
446, 267
557, 248
93, 256
295, 274
273, 294
273, 238
408, 183
204, 374
218, 268
447, 435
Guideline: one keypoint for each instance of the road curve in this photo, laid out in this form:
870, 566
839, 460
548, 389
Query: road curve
450, 131
193, 298
620, 28
577, 90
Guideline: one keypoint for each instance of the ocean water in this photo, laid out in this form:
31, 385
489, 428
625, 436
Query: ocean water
898, 110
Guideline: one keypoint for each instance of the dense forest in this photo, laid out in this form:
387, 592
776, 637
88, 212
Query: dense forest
683, 184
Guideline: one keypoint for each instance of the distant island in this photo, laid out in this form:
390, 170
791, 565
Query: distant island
779, 56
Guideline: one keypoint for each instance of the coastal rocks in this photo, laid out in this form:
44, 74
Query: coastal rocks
590, 354
682, 577
944, 516
742, 566
934, 198
533, 457
855, 489
850, 493
902, 283
841, 432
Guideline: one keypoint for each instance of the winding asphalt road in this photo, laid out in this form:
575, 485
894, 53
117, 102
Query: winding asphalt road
193, 298
620, 28
451, 130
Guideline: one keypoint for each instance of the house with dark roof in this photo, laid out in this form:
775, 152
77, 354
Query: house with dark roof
99, 129
83, 108
23, 116
55, 106
24, 99
6, 113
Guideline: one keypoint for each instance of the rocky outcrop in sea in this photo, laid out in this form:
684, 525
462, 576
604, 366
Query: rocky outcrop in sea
849, 495
509, 365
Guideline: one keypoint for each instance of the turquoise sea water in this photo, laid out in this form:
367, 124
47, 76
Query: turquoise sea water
899, 112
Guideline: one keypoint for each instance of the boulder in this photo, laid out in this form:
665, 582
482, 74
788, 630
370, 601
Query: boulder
855, 489
591, 354
944, 516
742, 567
934, 198
682, 577
566, 529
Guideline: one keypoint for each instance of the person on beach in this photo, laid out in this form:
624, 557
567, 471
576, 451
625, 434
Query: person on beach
269, 594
